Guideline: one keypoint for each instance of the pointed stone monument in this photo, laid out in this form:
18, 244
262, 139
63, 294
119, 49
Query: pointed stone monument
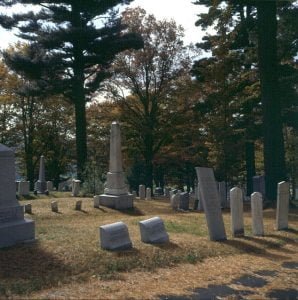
116, 192
41, 184
14, 228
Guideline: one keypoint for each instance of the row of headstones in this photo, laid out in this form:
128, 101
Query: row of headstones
115, 236
23, 187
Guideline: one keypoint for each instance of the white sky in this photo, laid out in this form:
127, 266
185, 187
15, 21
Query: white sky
182, 11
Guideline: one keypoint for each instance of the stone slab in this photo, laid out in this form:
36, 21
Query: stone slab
282, 205
211, 203
153, 231
115, 236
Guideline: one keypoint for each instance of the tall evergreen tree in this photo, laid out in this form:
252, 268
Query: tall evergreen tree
72, 44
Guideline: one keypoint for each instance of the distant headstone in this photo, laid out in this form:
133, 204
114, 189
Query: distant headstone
236, 202
158, 191
172, 192
257, 214
114, 237
76, 187
134, 193
222, 190
282, 209
41, 184
148, 193
142, 192
78, 205
167, 192
184, 201
24, 188
175, 201
50, 186
14, 228
259, 184
54, 206
210, 198
96, 201
153, 231
116, 193
28, 208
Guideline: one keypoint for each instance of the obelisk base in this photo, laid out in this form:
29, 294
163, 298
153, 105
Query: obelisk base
116, 201
16, 232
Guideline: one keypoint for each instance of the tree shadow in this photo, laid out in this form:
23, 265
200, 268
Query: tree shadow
167, 246
289, 294
290, 265
132, 212
250, 281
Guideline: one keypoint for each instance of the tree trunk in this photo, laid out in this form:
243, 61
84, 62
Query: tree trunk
250, 166
274, 157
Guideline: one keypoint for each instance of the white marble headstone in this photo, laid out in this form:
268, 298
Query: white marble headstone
257, 214
236, 202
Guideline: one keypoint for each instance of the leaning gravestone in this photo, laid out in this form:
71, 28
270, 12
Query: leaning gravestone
257, 214
142, 192
114, 237
236, 202
210, 198
184, 201
148, 193
41, 184
282, 209
153, 231
14, 228
116, 192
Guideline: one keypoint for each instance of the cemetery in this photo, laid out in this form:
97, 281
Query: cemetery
139, 161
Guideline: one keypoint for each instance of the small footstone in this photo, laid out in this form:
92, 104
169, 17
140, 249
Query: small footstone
78, 205
28, 208
54, 206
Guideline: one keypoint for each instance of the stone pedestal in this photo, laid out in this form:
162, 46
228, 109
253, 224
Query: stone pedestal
14, 228
116, 192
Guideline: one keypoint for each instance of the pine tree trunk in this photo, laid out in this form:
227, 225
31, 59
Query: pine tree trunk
274, 158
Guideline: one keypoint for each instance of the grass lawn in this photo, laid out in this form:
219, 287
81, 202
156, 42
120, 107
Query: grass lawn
66, 261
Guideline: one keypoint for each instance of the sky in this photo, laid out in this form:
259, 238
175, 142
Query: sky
182, 11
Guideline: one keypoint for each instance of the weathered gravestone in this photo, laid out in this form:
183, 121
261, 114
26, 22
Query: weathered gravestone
142, 192
96, 201
259, 184
148, 193
153, 231
115, 236
24, 188
282, 209
257, 214
175, 201
184, 201
167, 192
236, 202
75, 187
134, 193
210, 198
78, 205
158, 191
54, 206
14, 228
50, 186
116, 193
41, 184
28, 208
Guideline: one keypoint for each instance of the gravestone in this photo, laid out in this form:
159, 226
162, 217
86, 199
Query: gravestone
282, 208
28, 208
142, 192
14, 228
167, 192
158, 191
184, 201
148, 193
96, 201
153, 231
24, 188
115, 236
172, 192
222, 190
50, 186
210, 198
78, 205
259, 184
76, 187
41, 184
257, 214
116, 193
236, 203
175, 201
54, 206
134, 193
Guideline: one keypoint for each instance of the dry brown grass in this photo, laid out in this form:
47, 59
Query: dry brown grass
67, 262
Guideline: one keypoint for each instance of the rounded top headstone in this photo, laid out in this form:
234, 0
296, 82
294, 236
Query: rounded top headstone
5, 151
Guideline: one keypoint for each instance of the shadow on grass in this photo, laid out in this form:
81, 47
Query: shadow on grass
28, 268
166, 246
132, 212
289, 294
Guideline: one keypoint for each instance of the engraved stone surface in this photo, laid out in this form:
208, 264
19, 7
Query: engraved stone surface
282, 208
142, 192
14, 228
115, 236
96, 201
236, 202
148, 193
24, 188
153, 231
116, 192
210, 198
54, 206
184, 201
257, 214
